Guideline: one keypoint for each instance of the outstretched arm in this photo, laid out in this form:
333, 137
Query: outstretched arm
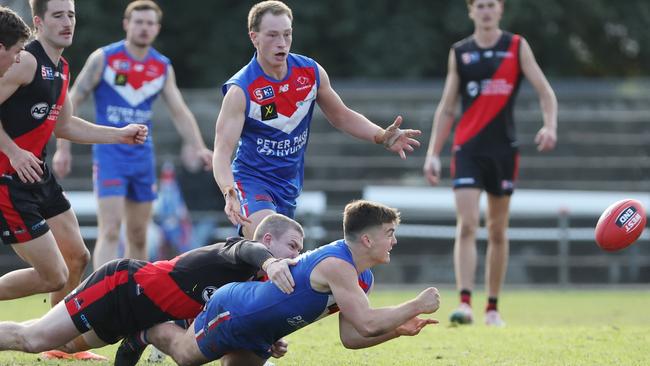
230, 123
86, 82
442, 122
355, 124
184, 119
546, 138
81, 131
341, 278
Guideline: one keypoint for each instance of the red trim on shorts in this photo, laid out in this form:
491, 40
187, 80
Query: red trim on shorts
243, 196
213, 324
88, 296
486, 107
14, 220
164, 292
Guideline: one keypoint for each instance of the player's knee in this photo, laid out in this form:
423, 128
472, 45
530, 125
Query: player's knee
55, 280
467, 228
33, 343
79, 261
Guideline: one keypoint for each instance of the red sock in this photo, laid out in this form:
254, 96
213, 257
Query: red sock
466, 296
492, 304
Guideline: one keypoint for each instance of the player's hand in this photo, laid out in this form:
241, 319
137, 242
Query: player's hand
413, 326
27, 165
280, 274
546, 139
62, 162
134, 134
279, 348
205, 155
429, 300
233, 209
397, 140
431, 169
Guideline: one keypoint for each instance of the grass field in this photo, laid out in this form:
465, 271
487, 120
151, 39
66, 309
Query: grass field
570, 327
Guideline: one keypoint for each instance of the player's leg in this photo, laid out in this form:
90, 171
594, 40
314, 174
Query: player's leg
110, 211
498, 245
137, 217
465, 253
54, 329
65, 229
257, 202
48, 273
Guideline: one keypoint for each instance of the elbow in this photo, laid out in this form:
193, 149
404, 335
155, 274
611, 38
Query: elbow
350, 344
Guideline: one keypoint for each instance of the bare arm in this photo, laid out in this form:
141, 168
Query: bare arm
341, 278
442, 122
81, 131
546, 138
184, 119
27, 165
86, 82
230, 123
355, 124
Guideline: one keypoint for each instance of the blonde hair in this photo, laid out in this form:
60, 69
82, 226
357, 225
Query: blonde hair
271, 6
276, 225
143, 5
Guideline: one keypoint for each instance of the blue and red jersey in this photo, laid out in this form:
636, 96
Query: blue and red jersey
125, 94
489, 81
265, 314
276, 128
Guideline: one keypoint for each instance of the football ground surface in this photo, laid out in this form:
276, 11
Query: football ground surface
544, 327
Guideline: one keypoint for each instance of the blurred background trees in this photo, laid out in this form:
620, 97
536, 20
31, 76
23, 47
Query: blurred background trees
381, 39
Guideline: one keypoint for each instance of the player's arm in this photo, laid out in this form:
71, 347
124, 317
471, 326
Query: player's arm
546, 138
442, 122
86, 82
26, 164
257, 255
355, 124
81, 131
229, 125
342, 280
184, 120
352, 339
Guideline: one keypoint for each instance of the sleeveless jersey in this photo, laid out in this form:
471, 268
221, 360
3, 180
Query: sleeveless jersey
30, 114
268, 314
125, 94
276, 129
489, 81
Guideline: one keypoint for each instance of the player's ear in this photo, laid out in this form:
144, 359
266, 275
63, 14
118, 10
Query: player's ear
125, 24
266, 239
253, 37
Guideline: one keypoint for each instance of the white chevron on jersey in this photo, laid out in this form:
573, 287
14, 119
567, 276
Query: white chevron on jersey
284, 123
131, 95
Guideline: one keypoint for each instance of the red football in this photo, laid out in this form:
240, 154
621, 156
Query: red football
620, 225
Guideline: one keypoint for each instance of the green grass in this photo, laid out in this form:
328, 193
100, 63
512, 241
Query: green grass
571, 327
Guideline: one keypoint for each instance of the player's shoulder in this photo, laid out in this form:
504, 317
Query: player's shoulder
23, 72
464, 43
159, 56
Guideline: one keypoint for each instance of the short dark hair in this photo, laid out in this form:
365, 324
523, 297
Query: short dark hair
12, 28
360, 215
271, 6
39, 7
143, 5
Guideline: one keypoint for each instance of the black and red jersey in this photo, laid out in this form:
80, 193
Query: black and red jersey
30, 114
489, 81
128, 295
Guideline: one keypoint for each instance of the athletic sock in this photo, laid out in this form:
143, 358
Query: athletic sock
466, 296
492, 304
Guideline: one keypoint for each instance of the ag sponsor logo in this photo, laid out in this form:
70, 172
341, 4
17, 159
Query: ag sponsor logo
629, 219
264, 93
473, 89
207, 293
39, 110
496, 87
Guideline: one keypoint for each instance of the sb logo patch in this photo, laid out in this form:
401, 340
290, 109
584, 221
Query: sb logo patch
268, 111
120, 79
